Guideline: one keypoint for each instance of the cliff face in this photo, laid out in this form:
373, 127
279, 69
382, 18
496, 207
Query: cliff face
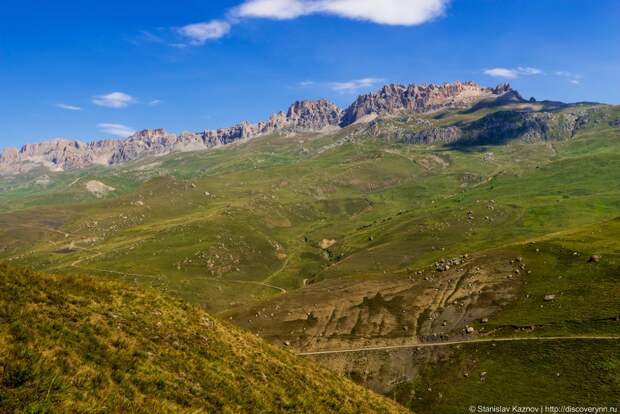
392, 99
302, 116
313, 115
62, 154
502, 127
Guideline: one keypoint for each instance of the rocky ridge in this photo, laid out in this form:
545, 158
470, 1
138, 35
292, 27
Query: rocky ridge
303, 116
504, 126
395, 99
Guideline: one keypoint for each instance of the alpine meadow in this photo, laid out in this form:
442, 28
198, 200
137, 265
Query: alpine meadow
386, 244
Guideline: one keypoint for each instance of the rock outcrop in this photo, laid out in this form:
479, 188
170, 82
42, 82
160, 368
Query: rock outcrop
62, 154
432, 136
394, 99
313, 115
302, 116
503, 127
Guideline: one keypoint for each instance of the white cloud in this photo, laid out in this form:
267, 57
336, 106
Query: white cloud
355, 85
199, 33
272, 9
155, 102
118, 130
573, 78
529, 71
501, 73
114, 100
68, 107
390, 12
306, 83
512, 73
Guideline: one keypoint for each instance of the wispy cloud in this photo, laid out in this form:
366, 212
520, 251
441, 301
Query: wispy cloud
390, 12
68, 107
512, 73
117, 130
155, 102
355, 85
387, 12
200, 33
306, 83
114, 100
572, 78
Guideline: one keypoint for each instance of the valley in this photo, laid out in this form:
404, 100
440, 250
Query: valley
410, 251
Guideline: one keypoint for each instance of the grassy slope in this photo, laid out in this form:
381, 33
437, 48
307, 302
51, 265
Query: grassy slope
72, 344
275, 198
572, 373
391, 208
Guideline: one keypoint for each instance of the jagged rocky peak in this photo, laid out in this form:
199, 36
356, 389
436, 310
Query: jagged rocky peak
142, 143
395, 98
302, 116
313, 115
152, 136
9, 155
58, 153
502, 88
224, 136
53, 145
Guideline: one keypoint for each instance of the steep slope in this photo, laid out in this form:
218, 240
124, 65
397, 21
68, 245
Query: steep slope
72, 344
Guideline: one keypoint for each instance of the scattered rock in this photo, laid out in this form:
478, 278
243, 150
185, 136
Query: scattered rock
43, 180
326, 243
489, 156
442, 267
594, 259
549, 298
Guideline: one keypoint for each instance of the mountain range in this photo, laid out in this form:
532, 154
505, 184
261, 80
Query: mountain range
302, 116
441, 245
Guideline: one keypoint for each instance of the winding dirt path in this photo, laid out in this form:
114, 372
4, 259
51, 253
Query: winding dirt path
463, 342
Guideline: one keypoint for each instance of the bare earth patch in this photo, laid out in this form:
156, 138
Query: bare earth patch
98, 189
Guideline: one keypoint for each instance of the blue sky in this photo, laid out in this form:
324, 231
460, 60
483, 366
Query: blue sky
100, 69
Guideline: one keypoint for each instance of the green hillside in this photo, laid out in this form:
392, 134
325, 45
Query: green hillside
75, 344
388, 233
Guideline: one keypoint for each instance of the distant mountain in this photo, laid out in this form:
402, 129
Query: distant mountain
302, 116
393, 99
